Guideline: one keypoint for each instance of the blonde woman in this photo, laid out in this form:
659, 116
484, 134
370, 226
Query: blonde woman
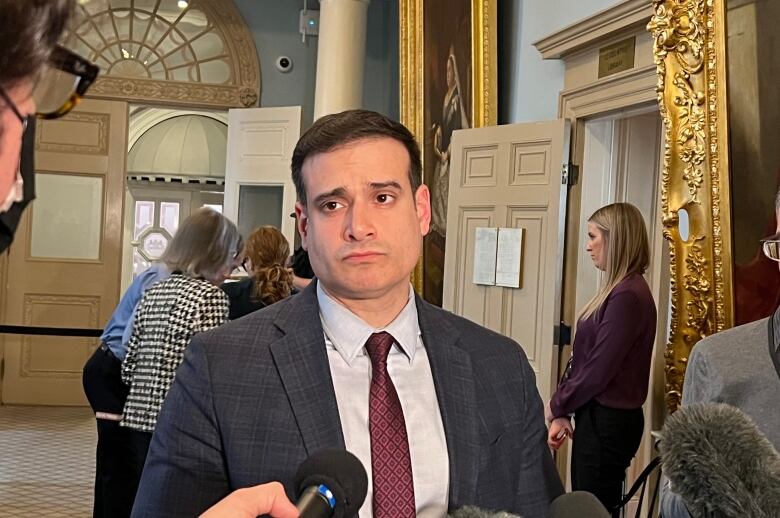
606, 381
170, 313
270, 280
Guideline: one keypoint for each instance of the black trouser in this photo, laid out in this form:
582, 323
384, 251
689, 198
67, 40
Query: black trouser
605, 441
114, 458
139, 444
115, 482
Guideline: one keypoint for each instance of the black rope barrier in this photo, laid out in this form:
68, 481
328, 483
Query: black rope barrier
51, 331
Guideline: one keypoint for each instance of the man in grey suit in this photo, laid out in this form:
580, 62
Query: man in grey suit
442, 412
739, 367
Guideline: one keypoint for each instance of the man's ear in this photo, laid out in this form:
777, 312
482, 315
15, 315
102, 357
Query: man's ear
302, 222
422, 201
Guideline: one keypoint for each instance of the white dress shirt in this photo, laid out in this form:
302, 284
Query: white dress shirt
350, 367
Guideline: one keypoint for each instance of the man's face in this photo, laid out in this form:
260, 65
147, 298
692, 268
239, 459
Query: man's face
11, 130
362, 225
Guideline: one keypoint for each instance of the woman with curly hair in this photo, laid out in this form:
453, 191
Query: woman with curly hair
266, 253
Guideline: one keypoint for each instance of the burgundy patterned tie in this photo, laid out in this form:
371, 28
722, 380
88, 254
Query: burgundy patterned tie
391, 463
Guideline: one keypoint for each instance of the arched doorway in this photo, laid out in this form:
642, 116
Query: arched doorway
64, 268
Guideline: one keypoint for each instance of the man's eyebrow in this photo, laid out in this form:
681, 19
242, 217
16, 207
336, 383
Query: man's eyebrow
385, 185
338, 191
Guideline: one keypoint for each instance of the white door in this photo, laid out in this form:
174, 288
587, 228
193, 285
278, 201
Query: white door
510, 176
64, 265
258, 186
622, 163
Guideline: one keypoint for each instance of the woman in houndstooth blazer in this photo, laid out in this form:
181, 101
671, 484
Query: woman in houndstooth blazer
169, 314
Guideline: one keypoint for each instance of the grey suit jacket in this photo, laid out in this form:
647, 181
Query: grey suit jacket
254, 398
732, 367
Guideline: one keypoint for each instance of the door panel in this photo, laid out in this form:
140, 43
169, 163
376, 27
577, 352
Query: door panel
524, 326
510, 176
470, 300
63, 268
260, 146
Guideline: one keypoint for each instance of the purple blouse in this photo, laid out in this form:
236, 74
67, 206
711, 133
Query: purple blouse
612, 352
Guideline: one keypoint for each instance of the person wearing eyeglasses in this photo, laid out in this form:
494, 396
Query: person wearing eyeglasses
740, 367
37, 77
169, 314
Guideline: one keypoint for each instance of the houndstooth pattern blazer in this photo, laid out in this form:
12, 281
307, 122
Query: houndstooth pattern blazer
167, 317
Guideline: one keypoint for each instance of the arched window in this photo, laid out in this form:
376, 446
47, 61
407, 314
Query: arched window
168, 51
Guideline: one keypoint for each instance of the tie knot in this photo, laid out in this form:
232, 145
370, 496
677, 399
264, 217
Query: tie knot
378, 346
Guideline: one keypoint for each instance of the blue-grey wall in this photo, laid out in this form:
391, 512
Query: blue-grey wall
274, 25
381, 85
528, 85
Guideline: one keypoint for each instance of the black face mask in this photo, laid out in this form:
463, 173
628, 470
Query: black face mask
9, 220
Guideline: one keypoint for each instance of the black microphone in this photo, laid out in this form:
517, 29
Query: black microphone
578, 504
330, 483
720, 463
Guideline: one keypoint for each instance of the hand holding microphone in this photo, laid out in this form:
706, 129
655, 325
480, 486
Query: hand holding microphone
329, 483
250, 502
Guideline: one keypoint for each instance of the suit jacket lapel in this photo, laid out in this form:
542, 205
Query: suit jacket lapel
302, 361
455, 390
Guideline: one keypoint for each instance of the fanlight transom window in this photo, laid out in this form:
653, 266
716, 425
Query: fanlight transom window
152, 39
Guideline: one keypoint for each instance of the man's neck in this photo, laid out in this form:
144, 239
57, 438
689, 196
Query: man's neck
378, 312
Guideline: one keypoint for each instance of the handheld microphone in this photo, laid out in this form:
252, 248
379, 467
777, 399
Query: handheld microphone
578, 504
330, 483
720, 463
476, 512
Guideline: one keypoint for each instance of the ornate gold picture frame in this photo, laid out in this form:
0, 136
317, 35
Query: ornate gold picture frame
689, 47
448, 82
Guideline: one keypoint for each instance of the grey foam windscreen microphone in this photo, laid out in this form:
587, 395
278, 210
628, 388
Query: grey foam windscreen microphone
476, 512
578, 504
720, 463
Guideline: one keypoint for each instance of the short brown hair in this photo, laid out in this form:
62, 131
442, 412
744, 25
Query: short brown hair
340, 129
29, 29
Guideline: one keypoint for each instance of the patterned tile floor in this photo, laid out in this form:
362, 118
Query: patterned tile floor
47, 461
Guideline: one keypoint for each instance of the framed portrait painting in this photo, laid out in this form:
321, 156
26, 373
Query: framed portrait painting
718, 75
448, 82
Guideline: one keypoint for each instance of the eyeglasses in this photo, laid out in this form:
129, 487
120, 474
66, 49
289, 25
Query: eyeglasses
771, 247
60, 86
63, 83
239, 263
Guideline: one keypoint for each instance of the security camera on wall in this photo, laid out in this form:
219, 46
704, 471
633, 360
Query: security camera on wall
284, 64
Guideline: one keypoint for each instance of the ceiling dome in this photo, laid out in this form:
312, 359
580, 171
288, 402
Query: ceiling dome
183, 145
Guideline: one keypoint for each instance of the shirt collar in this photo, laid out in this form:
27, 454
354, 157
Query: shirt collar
776, 324
348, 333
